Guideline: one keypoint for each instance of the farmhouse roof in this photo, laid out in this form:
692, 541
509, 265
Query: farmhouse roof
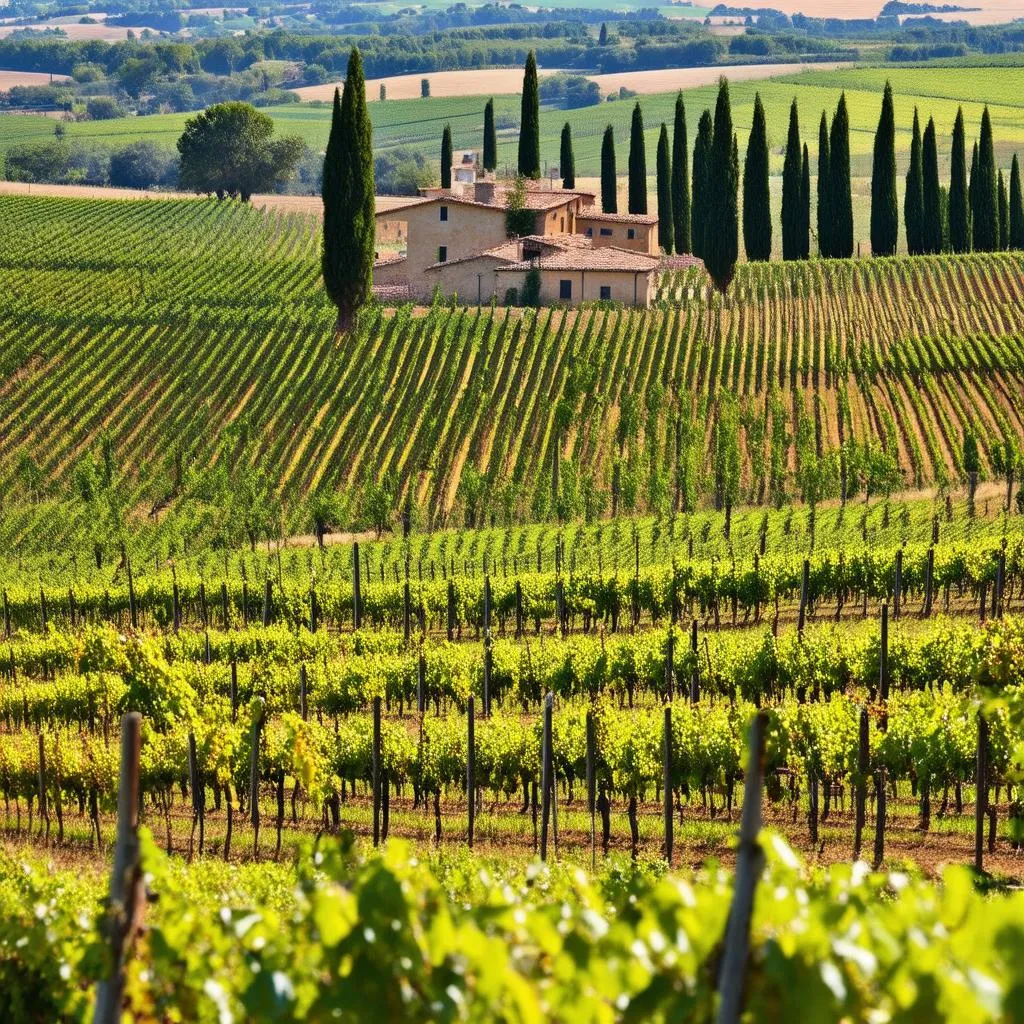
392, 204
619, 218
560, 252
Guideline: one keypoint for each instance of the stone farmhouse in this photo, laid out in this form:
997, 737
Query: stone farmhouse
457, 243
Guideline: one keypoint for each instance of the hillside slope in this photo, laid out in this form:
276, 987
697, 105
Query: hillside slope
191, 334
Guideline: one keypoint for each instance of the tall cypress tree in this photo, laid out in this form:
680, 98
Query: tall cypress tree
567, 158
972, 187
805, 206
699, 194
959, 212
825, 245
1004, 213
1016, 207
490, 138
757, 213
931, 233
913, 199
609, 179
680, 180
986, 200
348, 196
529, 122
792, 191
840, 194
885, 213
637, 164
722, 242
666, 232
446, 157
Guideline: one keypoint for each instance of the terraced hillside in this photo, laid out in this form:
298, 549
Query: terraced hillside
189, 334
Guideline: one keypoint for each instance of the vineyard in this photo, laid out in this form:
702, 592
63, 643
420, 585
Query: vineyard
466, 415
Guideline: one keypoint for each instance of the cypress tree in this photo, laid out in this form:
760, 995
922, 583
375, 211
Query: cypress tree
567, 159
840, 193
699, 193
666, 232
680, 180
490, 138
609, 181
986, 200
792, 191
529, 122
885, 214
602, 38
637, 164
446, 157
805, 207
1016, 207
931, 233
913, 200
757, 214
972, 187
722, 242
959, 215
348, 195
1004, 213
825, 246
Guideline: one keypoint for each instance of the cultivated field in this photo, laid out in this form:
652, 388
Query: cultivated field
8, 79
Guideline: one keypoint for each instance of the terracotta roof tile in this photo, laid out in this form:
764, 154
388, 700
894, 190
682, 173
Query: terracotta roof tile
619, 218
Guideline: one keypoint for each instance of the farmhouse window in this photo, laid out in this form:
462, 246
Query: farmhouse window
442, 253
630, 233
565, 289
444, 213
606, 291
606, 232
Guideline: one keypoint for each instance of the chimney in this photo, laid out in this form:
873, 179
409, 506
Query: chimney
483, 191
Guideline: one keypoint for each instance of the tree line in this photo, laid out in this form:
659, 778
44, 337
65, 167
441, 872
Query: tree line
698, 204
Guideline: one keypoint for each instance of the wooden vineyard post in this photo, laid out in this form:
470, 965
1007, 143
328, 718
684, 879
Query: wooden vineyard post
488, 648
314, 616
175, 605
1000, 580
695, 666
929, 578
666, 746
266, 601
883, 664
195, 783
749, 864
204, 611
44, 810
470, 770
670, 667
592, 787
450, 625
519, 610
127, 898
897, 587
357, 600
546, 762
234, 691
981, 795
254, 783
560, 606
880, 799
376, 771
421, 683
303, 684
133, 611
225, 611
862, 783
804, 579
43, 611
406, 612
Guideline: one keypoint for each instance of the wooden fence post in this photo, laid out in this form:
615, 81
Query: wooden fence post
357, 597
127, 898
546, 764
749, 864
470, 769
981, 794
666, 744
376, 771
862, 782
